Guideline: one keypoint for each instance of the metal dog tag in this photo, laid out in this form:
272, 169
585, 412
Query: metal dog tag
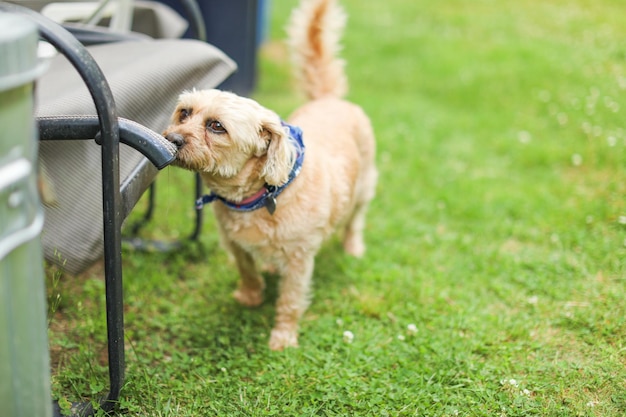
270, 204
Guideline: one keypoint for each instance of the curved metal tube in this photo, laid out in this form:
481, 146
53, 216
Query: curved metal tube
153, 146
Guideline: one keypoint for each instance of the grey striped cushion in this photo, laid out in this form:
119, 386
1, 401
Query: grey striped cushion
146, 79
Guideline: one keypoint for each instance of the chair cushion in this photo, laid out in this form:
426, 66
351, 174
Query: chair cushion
146, 79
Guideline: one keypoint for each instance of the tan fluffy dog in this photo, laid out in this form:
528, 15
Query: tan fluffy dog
243, 152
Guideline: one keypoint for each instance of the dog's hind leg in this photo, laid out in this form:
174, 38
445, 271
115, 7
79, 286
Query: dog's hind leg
251, 283
353, 242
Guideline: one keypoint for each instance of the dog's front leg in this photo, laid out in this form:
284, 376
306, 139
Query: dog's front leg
251, 283
292, 301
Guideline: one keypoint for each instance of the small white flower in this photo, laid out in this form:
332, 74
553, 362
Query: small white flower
348, 336
621, 219
592, 403
533, 300
526, 392
524, 136
223, 369
339, 322
512, 382
411, 329
577, 160
611, 141
401, 337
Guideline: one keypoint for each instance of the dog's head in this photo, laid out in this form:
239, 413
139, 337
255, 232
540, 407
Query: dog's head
218, 133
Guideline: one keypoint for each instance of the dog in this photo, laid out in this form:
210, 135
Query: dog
280, 189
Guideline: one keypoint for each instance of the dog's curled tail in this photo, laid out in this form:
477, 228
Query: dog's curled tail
314, 32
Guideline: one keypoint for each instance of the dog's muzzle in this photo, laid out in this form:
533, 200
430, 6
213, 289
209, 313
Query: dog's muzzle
176, 138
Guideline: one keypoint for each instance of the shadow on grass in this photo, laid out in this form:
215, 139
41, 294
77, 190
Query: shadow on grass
214, 321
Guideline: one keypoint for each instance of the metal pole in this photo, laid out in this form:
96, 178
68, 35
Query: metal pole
24, 360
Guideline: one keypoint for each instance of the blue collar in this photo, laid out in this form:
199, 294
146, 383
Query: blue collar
267, 196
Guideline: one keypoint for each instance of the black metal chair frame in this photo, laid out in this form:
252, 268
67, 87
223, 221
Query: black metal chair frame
196, 21
108, 130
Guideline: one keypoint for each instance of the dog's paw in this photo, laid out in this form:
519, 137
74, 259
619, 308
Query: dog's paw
269, 269
281, 339
249, 298
354, 245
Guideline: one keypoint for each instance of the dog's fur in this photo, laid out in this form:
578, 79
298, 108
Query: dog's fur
333, 189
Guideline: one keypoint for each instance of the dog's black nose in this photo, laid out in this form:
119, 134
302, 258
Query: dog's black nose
176, 138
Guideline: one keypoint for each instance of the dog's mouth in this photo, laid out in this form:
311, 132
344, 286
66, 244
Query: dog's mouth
183, 160
178, 142
187, 158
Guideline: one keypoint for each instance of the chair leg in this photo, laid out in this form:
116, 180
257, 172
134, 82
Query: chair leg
112, 203
135, 228
160, 246
115, 333
198, 226
117, 362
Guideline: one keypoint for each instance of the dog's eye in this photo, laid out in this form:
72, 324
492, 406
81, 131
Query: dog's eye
215, 126
184, 113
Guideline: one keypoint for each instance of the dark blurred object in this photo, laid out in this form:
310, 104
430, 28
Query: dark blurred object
232, 26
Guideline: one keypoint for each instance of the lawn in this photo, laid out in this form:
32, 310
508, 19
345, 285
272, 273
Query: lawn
494, 280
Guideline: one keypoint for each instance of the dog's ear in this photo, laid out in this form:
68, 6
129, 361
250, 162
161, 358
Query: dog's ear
281, 154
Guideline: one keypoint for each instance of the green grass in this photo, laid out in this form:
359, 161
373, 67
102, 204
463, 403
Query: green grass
499, 231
